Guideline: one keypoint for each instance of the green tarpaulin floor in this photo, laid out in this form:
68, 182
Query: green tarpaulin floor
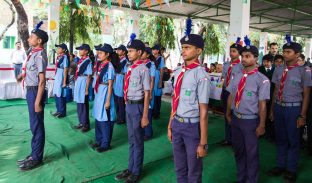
68, 157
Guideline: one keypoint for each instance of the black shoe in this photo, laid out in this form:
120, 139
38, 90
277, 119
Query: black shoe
156, 117
85, 129
122, 175
54, 114
120, 122
102, 149
94, 146
60, 116
276, 171
290, 176
30, 164
225, 143
133, 179
79, 126
22, 161
146, 138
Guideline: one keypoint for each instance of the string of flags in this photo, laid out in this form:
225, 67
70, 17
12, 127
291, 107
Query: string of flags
148, 3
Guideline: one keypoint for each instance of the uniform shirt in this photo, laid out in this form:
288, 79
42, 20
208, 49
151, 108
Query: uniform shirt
138, 83
257, 88
297, 78
235, 69
194, 90
119, 79
152, 69
18, 56
36, 64
158, 91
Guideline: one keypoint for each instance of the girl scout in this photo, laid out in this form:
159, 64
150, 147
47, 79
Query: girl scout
246, 111
119, 84
149, 63
136, 93
188, 124
104, 106
83, 76
60, 80
34, 75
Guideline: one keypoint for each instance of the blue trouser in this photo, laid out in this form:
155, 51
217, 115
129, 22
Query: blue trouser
227, 126
104, 132
60, 103
134, 113
185, 141
17, 69
157, 106
83, 113
246, 149
148, 130
36, 120
287, 136
120, 108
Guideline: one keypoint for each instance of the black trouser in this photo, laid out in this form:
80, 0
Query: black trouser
269, 125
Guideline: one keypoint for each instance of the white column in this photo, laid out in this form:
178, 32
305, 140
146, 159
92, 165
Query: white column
239, 22
263, 46
53, 26
135, 24
308, 48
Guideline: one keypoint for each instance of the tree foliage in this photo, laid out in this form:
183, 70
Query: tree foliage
86, 20
157, 30
215, 39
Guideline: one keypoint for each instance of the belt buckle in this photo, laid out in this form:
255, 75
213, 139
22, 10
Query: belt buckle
239, 115
180, 120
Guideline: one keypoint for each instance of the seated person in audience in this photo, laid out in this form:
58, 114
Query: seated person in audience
212, 68
301, 59
219, 68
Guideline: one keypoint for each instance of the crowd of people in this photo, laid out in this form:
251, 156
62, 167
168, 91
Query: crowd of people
126, 84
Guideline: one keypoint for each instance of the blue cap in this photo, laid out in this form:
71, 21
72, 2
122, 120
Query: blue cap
97, 47
43, 35
292, 45
193, 39
63, 46
249, 48
122, 47
148, 50
106, 48
156, 47
136, 44
84, 47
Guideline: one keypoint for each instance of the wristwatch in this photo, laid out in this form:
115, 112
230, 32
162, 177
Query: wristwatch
302, 116
205, 146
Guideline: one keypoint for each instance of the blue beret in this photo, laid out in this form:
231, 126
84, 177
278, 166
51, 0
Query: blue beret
121, 47
193, 39
106, 48
136, 44
41, 34
254, 50
63, 46
156, 47
236, 46
84, 47
148, 50
97, 47
294, 46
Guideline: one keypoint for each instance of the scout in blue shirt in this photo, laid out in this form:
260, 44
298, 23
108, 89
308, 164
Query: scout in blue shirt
81, 95
119, 84
137, 97
34, 75
188, 124
160, 65
289, 109
149, 63
61, 80
104, 105
95, 65
230, 70
246, 111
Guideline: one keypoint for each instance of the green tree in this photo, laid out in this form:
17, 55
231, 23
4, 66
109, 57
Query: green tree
215, 39
157, 30
80, 28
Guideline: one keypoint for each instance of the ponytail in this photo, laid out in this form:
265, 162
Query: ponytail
114, 59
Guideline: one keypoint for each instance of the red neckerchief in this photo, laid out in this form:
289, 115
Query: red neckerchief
126, 85
241, 86
282, 85
229, 72
97, 83
177, 88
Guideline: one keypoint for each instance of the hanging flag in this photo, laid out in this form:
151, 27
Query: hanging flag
85, 12
160, 3
61, 8
77, 2
107, 18
130, 3
88, 2
137, 3
109, 3
103, 15
149, 3
120, 3
136, 23
99, 1
131, 22
79, 11
74, 10
66, 8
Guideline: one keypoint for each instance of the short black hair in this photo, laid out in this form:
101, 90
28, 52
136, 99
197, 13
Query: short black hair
302, 56
273, 44
268, 57
278, 57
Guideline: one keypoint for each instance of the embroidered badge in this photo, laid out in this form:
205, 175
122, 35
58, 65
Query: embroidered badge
188, 92
134, 84
249, 93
